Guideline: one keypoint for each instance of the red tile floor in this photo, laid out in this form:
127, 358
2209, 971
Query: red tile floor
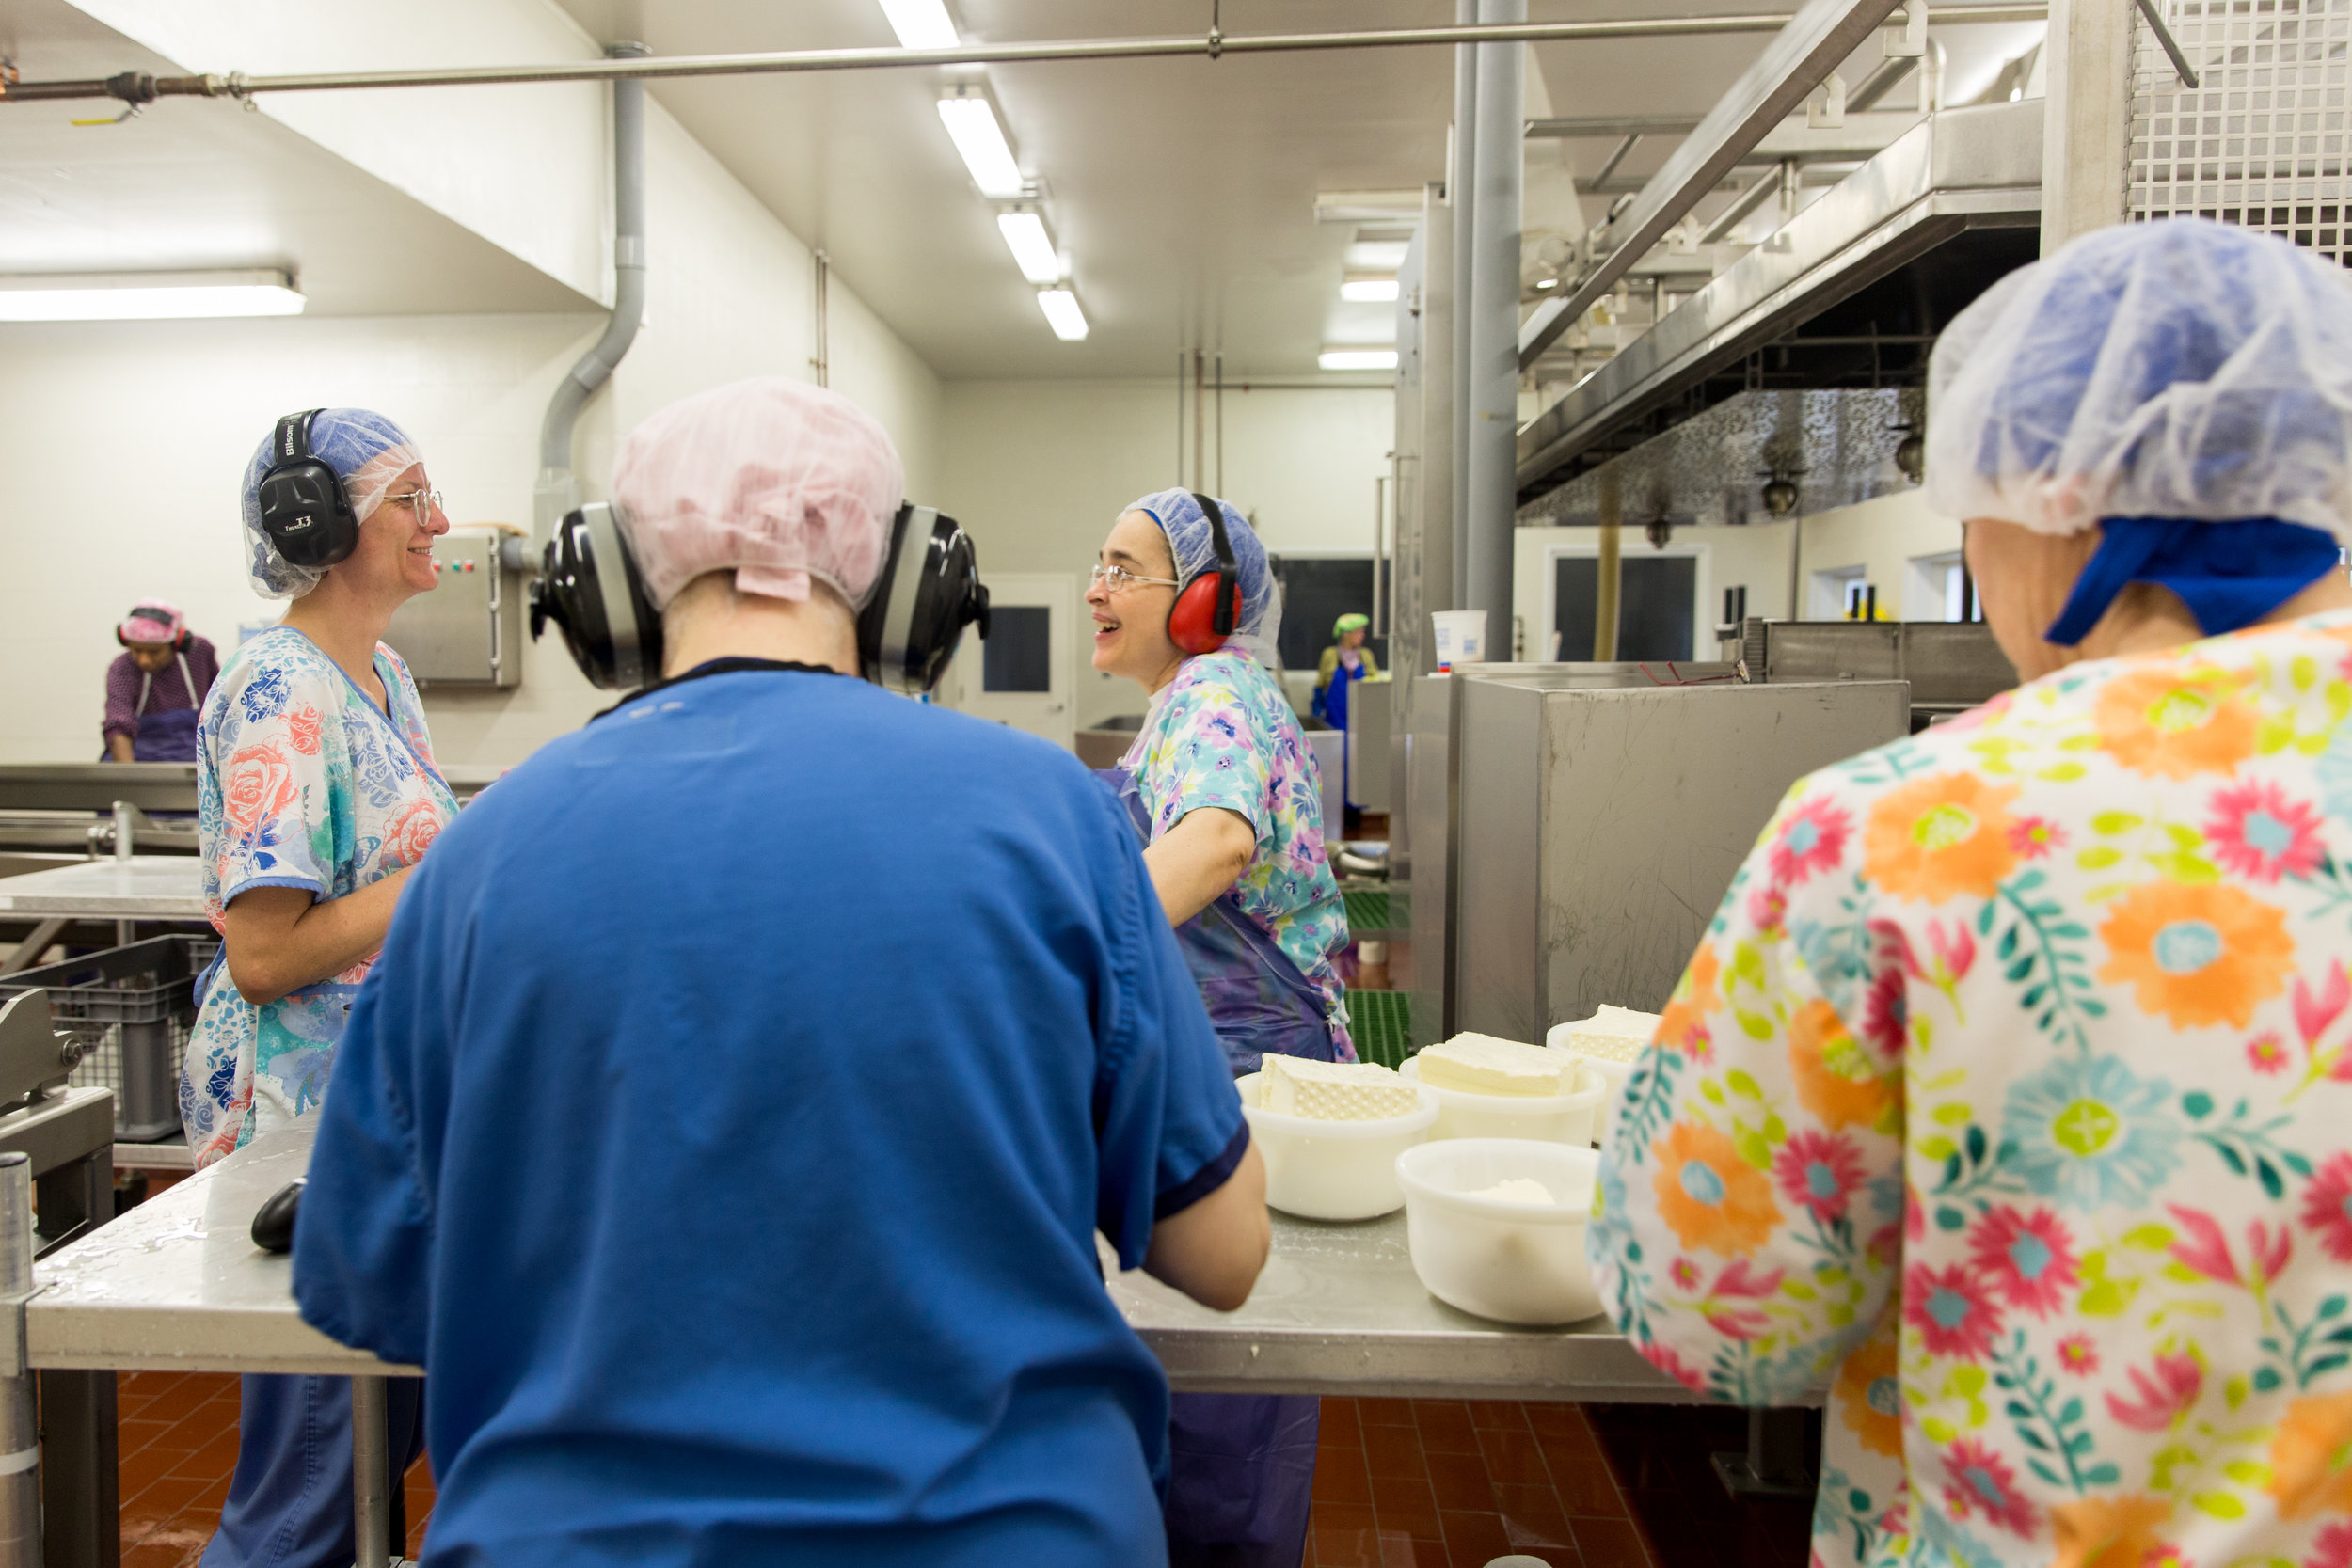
1398, 1484
179, 1447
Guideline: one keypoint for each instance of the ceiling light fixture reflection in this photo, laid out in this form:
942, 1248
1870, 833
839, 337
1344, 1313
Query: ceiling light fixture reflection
980, 136
1032, 247
921, 24
1368, 290
1062, 313
1358, 359
147, 296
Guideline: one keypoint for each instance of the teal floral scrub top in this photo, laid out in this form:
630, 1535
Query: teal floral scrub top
301, 782
2009, 1097
1221, 733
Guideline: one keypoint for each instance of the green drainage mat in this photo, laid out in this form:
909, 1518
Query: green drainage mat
1382, 1024
1367, 911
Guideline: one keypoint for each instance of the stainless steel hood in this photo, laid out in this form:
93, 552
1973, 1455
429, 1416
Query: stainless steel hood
1962, 177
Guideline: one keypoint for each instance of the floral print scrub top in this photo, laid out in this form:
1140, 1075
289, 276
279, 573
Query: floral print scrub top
1221, 733
2012, 1086
301, 782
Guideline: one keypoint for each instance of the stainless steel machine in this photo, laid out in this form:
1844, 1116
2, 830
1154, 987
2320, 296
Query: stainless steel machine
1952, 666
1596, 815
469, 631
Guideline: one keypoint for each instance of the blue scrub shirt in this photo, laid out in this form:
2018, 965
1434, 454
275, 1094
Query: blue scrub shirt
725, 1128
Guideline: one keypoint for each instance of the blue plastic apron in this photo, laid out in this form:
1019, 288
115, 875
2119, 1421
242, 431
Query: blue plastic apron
1335, 705
1241, 1466
164, 737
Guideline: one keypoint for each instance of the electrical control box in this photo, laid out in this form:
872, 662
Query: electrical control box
469, 630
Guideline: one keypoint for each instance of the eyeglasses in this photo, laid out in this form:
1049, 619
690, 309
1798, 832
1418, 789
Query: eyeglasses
1119, 580
422, 502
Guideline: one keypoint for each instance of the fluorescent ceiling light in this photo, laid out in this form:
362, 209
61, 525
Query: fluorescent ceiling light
1368, 290
145, 296
1358, 359
921, 24
973, 126
1062, 313
1031, 245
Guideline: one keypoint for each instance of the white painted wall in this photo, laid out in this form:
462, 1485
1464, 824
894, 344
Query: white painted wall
121, 445
1038, 469
1883, 537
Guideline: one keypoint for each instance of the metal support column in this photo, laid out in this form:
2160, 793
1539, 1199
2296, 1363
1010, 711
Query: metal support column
19, 1430
371, 1472
2087, 118
1493, 328
1462, 196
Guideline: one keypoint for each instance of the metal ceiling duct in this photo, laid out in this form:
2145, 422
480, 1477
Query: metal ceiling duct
1832, 448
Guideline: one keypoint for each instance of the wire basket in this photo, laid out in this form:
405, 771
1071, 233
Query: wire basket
131, 1008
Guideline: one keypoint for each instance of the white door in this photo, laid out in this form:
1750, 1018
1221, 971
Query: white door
1022, 674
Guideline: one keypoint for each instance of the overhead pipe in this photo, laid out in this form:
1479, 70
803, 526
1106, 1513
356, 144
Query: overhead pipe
136, 86
557, 490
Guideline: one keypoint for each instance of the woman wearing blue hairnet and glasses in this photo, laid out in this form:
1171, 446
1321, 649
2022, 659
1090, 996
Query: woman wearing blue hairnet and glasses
1227, 801
2006, 1095
317, 793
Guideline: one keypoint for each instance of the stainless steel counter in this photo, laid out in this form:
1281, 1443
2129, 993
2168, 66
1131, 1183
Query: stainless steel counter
146, 887
178, 1283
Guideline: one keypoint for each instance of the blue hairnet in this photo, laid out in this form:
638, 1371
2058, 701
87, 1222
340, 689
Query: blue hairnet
2180, 369
366, 451
1189, 541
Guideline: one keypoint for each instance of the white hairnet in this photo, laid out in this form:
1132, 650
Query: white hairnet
779, 480
1193, 544
366, 451
2180, 369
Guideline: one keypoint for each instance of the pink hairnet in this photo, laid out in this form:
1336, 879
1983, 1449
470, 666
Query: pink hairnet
780, 479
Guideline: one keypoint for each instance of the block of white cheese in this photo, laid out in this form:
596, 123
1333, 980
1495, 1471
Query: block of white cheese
1614, 1034
1523, 1190
1481, 1063
1333, 1091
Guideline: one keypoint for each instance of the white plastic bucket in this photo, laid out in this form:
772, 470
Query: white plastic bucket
1516, 1264
1460, 636
1561, 1118
1333, 1170
1615, 1073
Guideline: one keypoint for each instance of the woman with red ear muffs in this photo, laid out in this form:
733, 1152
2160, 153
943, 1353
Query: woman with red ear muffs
1226, 800
156, 686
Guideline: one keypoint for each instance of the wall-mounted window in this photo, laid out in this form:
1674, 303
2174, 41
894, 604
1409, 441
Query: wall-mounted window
1659, 612
1941, 590
1839, 594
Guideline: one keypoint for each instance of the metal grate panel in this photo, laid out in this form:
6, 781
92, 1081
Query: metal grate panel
2261, 140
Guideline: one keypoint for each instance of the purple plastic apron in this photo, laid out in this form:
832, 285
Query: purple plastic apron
1241, 1466
168, 736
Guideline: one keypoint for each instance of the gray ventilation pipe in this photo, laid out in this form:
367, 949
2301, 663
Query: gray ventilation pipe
557, 490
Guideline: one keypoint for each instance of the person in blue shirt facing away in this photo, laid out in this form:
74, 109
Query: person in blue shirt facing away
738, 1102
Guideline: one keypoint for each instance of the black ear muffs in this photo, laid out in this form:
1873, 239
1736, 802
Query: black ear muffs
929, 591
589, 586
306, 512
1209, 607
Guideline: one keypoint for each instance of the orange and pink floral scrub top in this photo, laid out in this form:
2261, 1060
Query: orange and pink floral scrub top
301, 782
2010, 1098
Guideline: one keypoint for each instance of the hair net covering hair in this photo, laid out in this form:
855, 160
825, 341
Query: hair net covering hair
2180, 369
779, 480
151, 621
1352, 621
366, 451
1190, 540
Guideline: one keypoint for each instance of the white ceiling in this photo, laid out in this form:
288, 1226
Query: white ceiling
1182, 191
193, 184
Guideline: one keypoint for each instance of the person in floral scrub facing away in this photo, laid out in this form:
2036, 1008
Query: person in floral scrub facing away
2006, 1095
316, 795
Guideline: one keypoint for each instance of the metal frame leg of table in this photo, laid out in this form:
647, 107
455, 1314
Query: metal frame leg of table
371, 1472
20, 1431
1775, 1464
80, 1475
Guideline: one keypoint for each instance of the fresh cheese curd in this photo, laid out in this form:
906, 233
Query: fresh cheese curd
1523, 1190
1614, 1034
1481, 1063
1333, 1091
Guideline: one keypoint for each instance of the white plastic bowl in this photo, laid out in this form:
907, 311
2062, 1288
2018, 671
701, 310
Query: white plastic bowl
1612, 1073
1514, 1262
1333, 1170
1560, 1119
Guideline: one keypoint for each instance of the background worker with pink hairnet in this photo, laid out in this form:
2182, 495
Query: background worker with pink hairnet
765, 926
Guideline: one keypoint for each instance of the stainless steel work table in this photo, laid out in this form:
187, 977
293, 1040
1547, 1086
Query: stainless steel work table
177, 1284
145, 887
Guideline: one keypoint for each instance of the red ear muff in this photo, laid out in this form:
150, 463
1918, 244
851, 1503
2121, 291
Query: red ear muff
1208, 608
